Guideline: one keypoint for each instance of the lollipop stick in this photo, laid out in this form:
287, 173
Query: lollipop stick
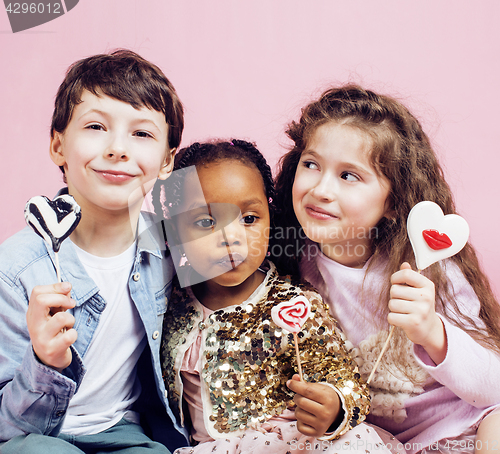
299, 367
58, 269
384, 348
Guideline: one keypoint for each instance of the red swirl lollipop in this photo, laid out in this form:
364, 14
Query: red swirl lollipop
291, 316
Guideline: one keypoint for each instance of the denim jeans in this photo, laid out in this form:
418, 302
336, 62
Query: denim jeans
123, 438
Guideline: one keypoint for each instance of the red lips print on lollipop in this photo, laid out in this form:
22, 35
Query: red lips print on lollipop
433, 237
291, 316
54, 220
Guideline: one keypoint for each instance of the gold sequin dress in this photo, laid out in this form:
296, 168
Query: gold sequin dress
246, 360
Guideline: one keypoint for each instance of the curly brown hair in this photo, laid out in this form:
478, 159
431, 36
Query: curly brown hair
402, 153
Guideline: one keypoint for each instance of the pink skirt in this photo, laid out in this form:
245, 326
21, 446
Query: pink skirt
284, 438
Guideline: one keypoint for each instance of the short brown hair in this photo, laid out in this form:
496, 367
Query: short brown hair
123, 75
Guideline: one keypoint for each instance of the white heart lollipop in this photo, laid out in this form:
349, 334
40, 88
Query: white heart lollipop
291, 316
54, 220
433, 235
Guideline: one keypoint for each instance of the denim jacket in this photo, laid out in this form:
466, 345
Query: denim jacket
33, 397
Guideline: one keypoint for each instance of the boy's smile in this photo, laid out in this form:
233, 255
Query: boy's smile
114, 176
112, 154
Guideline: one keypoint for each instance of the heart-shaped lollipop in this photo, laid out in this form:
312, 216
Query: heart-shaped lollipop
291, 316
433, 235
54, 220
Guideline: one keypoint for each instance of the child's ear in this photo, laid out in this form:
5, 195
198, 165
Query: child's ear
56, 153
168, 165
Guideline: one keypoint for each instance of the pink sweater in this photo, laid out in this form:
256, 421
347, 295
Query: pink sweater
443, 401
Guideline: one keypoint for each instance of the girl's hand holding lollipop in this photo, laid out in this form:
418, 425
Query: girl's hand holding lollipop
433, 237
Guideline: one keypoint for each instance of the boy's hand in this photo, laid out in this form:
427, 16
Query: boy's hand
317, 406
412, 307
50, 327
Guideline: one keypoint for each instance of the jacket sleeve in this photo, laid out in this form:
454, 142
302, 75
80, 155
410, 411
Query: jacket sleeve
33, 397
325, 359
469, 368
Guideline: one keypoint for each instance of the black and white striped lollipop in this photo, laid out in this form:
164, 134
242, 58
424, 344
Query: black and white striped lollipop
54, 220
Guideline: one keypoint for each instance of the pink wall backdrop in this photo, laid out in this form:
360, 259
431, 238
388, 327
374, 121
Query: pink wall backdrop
244, 68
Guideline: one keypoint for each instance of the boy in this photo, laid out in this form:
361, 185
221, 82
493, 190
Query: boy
75, 356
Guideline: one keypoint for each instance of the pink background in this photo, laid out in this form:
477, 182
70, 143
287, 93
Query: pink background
244, 68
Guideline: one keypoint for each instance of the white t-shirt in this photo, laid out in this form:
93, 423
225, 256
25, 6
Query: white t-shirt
109, 388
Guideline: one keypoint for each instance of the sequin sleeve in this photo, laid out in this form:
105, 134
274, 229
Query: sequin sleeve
324, 359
